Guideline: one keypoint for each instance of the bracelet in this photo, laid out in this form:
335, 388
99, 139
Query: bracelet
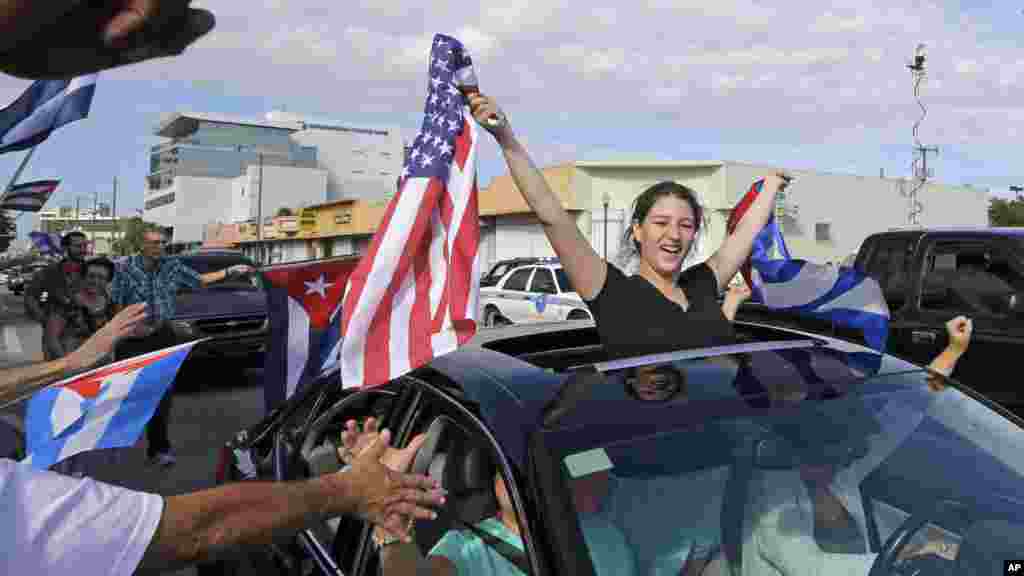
389, 539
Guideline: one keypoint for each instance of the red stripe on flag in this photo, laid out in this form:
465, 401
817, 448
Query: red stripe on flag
377, 354
734, 220
420, 349
447, 211
467, 243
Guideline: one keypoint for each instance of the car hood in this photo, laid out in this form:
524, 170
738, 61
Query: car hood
214, 303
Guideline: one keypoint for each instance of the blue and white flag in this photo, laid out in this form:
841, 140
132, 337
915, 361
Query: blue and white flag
104, 408
44, 107
843, 296
46, 243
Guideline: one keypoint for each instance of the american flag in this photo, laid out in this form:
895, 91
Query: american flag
28, 197
414, 295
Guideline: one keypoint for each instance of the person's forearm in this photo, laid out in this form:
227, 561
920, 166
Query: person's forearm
945, 362
198, 527
18, 383
531, 183
211, 277
729, 308
757, 215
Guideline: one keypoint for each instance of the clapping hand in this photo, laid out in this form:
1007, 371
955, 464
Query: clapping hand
959, 330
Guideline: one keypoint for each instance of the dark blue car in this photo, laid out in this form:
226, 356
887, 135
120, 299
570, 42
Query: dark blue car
638, 466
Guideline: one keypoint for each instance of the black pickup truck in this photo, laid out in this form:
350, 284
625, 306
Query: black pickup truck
931, 275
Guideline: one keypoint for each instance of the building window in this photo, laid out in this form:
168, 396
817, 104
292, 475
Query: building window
160, 201
359, 171
823, 232
343, 218
385, 173
386, 154
359, 152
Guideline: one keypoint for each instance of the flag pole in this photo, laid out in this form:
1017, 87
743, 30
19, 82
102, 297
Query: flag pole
21, 168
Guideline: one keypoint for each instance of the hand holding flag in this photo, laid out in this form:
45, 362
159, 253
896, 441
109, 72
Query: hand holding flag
414, 295
845, 297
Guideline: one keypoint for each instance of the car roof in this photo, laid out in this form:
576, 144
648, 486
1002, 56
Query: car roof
942, 230
511, 393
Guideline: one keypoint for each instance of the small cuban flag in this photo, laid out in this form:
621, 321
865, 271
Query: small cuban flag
107, 407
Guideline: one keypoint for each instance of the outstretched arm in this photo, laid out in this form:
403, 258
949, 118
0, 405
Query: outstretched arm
584, 267
735, 249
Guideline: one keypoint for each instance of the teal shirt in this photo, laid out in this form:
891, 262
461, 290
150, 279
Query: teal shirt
472, 557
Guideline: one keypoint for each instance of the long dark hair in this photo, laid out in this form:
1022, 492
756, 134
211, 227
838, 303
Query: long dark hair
630, 247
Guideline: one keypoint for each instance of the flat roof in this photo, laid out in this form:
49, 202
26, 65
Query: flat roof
178, 124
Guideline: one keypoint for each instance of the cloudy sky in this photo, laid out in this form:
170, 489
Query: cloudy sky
819, 86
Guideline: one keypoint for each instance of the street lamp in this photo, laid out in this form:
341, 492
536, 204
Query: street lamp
1017, 190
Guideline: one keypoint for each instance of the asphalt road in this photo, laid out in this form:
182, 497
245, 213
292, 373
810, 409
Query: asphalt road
200, 421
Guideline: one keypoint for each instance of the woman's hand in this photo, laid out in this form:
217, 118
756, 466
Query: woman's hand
483, 109
354, 441
777, 182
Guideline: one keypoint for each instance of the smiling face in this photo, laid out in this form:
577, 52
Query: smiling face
665, 235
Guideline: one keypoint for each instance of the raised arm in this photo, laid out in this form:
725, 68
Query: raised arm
735, 249
584, 267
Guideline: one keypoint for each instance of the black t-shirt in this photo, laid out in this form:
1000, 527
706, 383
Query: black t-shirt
634, 318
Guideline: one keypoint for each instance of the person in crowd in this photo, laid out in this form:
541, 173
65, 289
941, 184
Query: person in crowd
825, 529
660, 308
54, 524
70, 325
155, 278
57, 281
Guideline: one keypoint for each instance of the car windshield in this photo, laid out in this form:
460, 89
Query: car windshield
802, 459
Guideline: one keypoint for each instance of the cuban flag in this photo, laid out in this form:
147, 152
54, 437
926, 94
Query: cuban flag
107, 407
304, 336
46, 243
44, 107
844, 296
28, 197
414, 295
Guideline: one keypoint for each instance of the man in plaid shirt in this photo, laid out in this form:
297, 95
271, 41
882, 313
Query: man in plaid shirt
154, 278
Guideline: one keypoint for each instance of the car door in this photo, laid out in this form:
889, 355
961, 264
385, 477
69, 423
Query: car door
948, 289
514, 297
544, 301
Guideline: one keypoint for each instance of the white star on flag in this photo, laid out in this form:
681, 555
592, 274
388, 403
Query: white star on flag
319, 287
446, 149
433, 98
436, 82
427, 160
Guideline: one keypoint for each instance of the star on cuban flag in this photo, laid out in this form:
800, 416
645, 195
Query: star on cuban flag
107, 407
304, 337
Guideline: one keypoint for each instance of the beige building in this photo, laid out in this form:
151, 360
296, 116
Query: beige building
824, 216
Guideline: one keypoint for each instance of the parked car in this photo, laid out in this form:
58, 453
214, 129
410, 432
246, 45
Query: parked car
531, 290
604, 482
926, 279
502, 267
231, 313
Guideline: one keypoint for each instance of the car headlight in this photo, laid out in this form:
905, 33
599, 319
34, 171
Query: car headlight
183, 327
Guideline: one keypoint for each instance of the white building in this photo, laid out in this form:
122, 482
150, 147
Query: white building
207, 172
824, 216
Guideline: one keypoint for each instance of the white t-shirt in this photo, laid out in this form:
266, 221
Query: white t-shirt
54, 524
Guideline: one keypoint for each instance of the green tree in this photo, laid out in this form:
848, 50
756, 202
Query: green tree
284, 212
1003, 212
132, 230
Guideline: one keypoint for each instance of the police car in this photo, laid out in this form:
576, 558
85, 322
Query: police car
533, 290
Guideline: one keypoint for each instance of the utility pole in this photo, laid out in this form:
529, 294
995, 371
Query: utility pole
259, 211
116, 232
921, 173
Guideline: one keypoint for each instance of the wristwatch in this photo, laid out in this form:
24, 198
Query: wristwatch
388, 539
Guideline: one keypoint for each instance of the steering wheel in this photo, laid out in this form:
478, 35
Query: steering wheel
951, 511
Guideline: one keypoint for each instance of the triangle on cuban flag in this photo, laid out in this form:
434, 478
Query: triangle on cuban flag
107, 407
304, 338
844, 296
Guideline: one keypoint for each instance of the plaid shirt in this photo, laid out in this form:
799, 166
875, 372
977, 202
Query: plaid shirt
133, 284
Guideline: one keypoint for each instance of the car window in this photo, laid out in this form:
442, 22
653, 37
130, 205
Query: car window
890, 266
517, 280
976, 278
888, 447
543, 282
